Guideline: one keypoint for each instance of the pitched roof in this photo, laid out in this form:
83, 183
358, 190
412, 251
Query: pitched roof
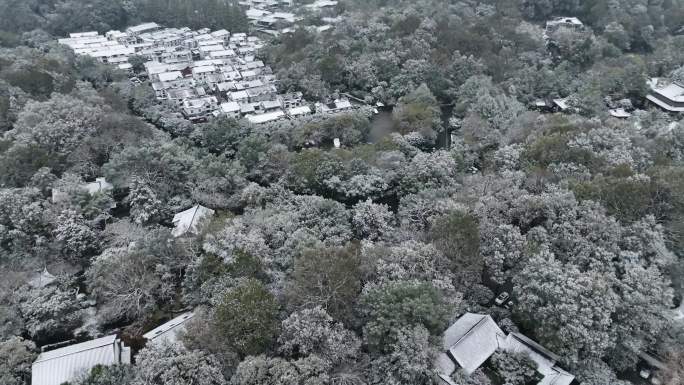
42, 279
190, 220
61, 365
472, 339
545, 360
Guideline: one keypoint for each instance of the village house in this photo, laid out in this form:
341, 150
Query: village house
291, 100
262, 93
142, 28
230, 109
299, 111
199, 108
338, 105
184, 65
62, 365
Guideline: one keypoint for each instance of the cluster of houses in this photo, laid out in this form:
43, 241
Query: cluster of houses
667, 95
202, 73
474, 338
275, 17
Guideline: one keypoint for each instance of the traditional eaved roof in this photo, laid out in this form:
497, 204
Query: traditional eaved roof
169, 331
545, 360
190, 220
61, 365
472, 339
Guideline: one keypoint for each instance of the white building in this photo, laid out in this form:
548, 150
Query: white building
58, 366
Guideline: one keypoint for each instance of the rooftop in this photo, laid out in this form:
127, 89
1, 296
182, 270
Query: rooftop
267, 117
62, 365
169, 330
190, 220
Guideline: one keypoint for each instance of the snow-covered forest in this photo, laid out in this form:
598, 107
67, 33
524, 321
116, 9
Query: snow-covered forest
506, 170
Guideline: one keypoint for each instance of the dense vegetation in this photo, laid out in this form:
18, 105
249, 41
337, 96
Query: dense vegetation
345, 266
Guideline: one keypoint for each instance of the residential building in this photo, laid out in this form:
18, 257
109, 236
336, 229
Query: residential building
338, 105
142, 28
231, 109
267, 117
299, 111
199, 108
291, 100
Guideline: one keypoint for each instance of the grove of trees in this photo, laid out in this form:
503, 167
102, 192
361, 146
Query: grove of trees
344, 266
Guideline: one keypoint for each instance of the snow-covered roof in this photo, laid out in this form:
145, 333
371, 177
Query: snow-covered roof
562, 103
270, 104
672, 91
296, 111
170, 76
76, 35
204, 69
230, 107
99, 185
191, 220
62, 365
169, 330
322, 4
142, 28
222, 53
42, 279
267, 117
619, 113
565, 21
545, 360
342, 104
472, 339
239, 95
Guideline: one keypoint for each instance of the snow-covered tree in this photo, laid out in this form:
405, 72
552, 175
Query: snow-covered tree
16, 357
371, 220
145, 206
173, 364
